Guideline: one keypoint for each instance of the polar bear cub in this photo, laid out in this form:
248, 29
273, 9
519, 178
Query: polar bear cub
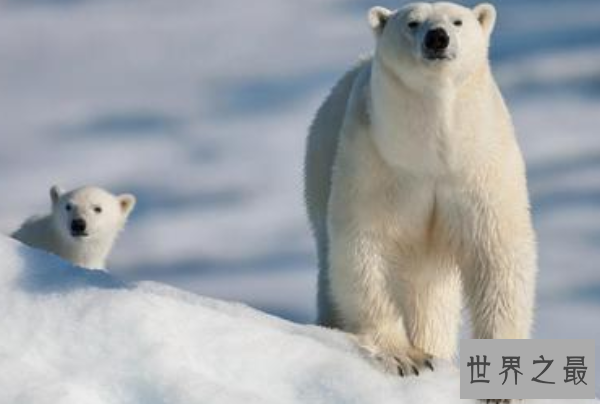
82, 226
415, 188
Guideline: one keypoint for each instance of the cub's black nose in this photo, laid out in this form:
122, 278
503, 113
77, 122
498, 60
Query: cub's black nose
437, 39
78, 226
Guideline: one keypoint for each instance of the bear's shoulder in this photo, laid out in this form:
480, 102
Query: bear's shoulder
35, 231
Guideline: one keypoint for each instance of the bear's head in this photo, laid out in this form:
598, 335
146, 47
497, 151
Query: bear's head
422, 42
89, 213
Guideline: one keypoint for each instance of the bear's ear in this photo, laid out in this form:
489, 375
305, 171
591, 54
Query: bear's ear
55, 193
486, 15
378, 17
126, 202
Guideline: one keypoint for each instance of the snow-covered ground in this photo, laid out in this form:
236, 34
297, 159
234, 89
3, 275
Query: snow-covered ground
200, 108
73, 336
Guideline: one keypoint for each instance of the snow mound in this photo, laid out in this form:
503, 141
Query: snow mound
69, 335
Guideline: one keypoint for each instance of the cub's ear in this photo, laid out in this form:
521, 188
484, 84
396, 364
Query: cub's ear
378, 17
127, 202
55, 193
486, 15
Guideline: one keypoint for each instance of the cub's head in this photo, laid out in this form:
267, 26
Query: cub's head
89, 213
425, 41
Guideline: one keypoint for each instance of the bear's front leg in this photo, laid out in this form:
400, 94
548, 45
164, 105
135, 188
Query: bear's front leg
384, 346
363, 301
498, 269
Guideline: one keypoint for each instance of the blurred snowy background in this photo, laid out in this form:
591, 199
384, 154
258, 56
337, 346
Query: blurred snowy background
200, 108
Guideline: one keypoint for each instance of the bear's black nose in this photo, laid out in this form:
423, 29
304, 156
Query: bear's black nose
437, 39
78, 227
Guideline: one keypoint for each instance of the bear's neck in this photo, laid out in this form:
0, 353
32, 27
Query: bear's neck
414, 126
91, 254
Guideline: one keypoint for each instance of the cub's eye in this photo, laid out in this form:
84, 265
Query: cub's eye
98, 209
458, 23
413, 24
68, 207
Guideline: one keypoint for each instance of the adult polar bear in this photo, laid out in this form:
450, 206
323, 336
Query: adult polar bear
415, 185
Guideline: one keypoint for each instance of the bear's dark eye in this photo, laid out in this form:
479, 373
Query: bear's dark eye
413, 24
68, 207
98, 209
458, 23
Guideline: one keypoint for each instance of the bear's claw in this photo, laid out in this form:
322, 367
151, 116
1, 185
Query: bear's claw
410, 363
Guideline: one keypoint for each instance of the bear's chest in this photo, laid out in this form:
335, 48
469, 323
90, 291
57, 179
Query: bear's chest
420, 138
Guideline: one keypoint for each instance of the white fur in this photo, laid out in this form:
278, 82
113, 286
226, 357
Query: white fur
415, 185
52, 232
